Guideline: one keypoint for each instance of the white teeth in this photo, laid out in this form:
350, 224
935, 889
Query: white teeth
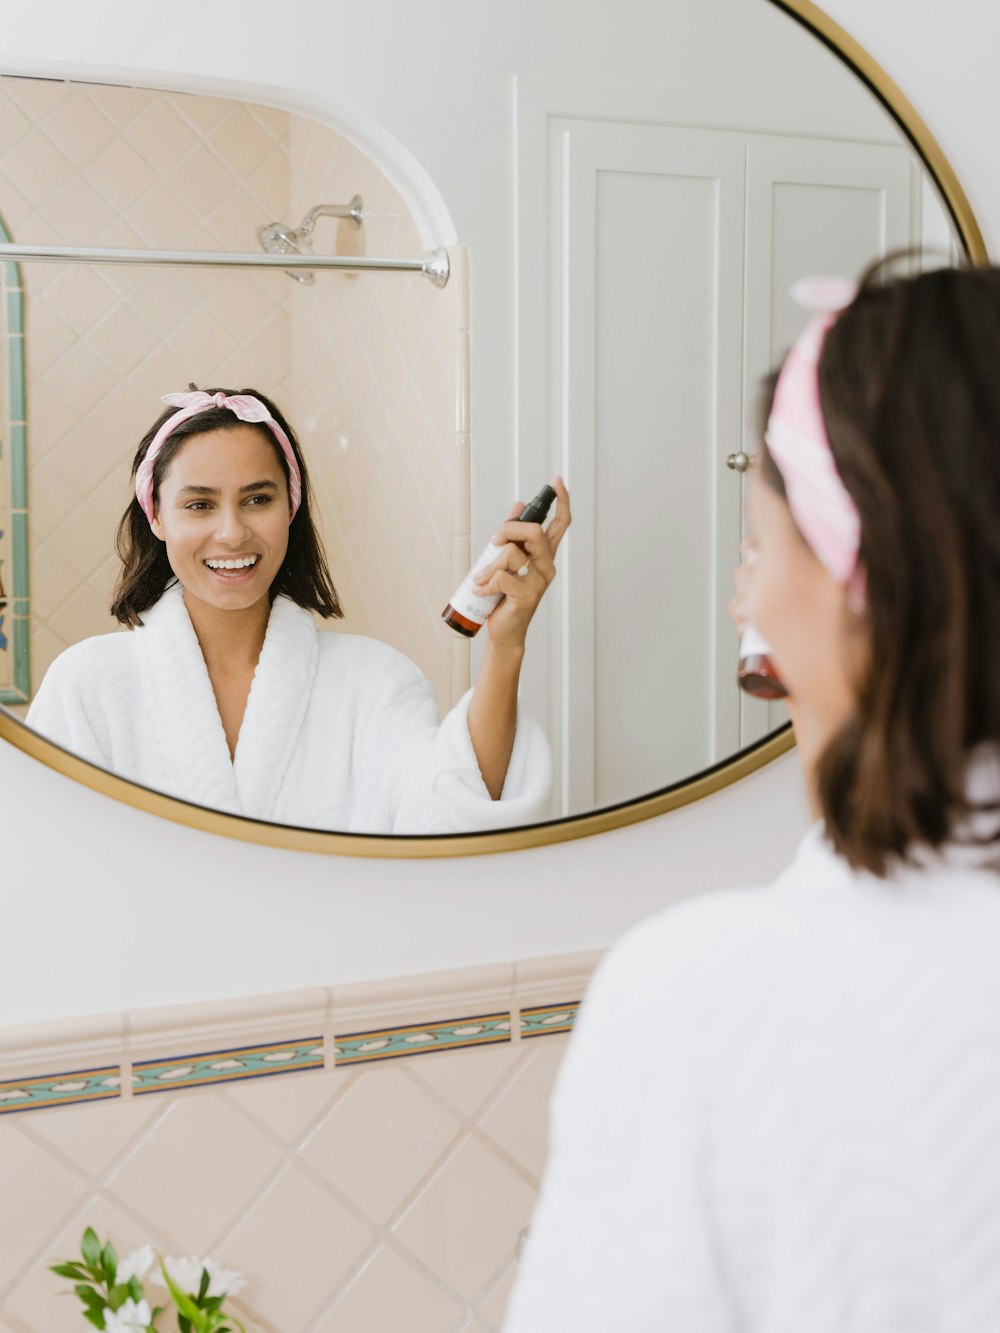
244, 562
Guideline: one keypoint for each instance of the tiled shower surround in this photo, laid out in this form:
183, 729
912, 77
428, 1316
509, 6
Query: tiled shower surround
361, 363
373, 1173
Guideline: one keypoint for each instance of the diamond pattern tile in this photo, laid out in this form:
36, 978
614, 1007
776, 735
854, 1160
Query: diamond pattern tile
465, 1222
369, 1199
302, 1242
405, 1132
525, 1140
385, 1287
202, 1166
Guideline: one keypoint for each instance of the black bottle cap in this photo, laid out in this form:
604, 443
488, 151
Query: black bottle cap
536, 510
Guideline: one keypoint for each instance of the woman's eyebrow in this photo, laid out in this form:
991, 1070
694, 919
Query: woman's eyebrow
214, 490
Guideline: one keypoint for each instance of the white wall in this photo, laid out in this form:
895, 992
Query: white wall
190, 916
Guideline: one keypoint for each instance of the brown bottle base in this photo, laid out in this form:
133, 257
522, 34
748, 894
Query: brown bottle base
459, 622
758, 677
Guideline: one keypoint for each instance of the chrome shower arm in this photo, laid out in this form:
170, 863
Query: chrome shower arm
354, 211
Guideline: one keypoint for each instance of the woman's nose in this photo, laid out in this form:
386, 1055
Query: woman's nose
231, 524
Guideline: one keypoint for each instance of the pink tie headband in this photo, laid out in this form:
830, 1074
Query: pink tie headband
242, 405
797, 440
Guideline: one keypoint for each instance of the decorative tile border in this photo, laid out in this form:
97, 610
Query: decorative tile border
209, 1067
542, 1020
357, 1048
87, 1085
15, 673
121, 1055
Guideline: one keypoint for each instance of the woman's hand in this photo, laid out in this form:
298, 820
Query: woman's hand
493, 707
741, 577
530, 548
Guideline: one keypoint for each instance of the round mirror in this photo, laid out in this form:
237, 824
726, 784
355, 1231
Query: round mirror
665, 192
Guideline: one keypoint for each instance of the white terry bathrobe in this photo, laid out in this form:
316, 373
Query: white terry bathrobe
340, 732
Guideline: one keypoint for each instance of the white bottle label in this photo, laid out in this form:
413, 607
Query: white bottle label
468, 601
753, 643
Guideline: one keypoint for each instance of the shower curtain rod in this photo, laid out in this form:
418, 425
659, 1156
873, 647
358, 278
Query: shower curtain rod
434, 265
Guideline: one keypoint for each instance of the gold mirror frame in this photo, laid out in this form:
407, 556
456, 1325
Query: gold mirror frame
630, 812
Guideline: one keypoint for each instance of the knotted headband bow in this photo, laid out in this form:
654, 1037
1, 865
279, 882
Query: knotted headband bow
797, 440
242, 405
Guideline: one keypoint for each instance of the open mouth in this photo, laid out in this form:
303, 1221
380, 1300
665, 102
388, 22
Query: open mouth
231, 566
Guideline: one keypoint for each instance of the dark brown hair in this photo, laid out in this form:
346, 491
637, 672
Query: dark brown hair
146, 572
910, 395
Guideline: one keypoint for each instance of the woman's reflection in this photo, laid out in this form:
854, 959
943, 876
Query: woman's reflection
227, 695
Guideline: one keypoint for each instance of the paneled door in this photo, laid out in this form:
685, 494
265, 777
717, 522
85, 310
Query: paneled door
669, 255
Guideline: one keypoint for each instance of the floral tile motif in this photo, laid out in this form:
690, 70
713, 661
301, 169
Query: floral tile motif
209, 1067
542, 1019
417, 1039
87, 1085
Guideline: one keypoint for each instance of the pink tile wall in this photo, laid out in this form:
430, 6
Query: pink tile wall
93, 165
356, 1200
372, 385
363, 363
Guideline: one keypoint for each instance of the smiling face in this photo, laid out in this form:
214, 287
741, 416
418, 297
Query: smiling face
223, 513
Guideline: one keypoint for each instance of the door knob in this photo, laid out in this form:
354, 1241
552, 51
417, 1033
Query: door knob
738, 462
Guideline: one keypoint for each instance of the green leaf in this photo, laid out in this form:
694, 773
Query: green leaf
90, 1248
183, 1324
117, 1296
203, 1287
75, 1271
96, 1317
135, 1289
185, 1305
90, 1295
109, 1262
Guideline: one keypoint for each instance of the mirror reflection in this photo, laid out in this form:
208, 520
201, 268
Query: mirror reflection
658, 233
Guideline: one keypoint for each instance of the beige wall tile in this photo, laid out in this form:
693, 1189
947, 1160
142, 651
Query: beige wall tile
465, 1223
370, 1197
525, 1138
390, 1294
198, 1173
403, 1129
44, 1189
296, 1243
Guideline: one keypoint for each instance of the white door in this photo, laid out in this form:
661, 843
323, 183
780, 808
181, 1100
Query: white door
662, 288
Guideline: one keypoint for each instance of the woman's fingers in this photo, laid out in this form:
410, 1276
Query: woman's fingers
526, 591
556, 530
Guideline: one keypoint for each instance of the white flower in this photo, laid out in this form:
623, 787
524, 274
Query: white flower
223, 1281
128, 1318
137, 1264
184, 1273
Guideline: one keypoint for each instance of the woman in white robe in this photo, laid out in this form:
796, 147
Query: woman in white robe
226, 694
780, 1109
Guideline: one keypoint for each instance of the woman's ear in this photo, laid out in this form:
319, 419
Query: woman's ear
156, 526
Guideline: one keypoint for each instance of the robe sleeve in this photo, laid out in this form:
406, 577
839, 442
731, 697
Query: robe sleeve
69, 708
417, 776
623, 1235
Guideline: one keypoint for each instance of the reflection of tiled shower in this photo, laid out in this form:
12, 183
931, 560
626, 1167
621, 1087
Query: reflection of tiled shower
84, 166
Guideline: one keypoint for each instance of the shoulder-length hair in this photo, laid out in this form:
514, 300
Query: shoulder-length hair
145, 573
910, 394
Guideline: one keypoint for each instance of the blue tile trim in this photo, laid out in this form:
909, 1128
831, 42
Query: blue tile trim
420, 1038
16, 627
210, 1067
32, 1094
544, 1019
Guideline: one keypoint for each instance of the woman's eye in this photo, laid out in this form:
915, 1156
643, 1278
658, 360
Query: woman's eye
260, 500
197, 504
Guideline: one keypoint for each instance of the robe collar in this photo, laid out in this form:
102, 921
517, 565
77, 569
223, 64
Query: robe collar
183, 714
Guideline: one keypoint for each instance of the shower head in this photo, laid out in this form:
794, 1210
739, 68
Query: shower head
278, 238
